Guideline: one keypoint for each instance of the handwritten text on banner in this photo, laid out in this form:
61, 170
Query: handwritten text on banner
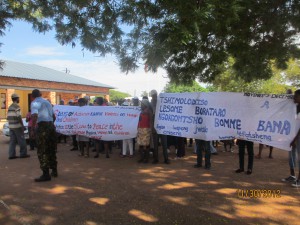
99, 122
267, 119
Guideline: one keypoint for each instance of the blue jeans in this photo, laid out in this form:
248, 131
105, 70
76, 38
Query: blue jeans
293, 155
203, 146
17, 137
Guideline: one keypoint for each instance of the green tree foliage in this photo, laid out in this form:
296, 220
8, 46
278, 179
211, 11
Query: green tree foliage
117, 96
292, 73
190, 39
280, 81
176, 88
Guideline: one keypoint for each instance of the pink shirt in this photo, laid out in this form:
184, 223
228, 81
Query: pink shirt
28, 119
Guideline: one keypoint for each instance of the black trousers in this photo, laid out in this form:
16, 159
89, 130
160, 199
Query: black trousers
180, 147
203, 146
242, 146
163, 141
74, 141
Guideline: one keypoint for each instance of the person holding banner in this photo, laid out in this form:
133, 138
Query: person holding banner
135, 102
180, 153
202, 145
99, 101
156, 136
127, 142
242, 146
144, 130
295, 144
74, 141
83, 141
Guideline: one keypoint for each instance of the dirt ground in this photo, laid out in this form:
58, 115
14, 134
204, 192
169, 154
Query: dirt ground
121, 191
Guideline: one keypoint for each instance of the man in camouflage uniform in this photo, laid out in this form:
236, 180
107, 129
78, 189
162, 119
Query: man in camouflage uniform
42, 115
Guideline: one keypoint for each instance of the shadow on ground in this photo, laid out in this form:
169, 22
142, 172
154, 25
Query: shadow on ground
121, 191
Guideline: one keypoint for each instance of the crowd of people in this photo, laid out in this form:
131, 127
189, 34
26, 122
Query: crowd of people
44, 137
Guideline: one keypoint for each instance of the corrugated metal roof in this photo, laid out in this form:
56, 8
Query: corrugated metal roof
35, 72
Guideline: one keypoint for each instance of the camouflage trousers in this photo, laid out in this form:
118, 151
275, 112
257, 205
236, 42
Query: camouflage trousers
46, 145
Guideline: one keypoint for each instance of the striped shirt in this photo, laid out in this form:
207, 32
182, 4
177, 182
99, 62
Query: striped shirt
14, 116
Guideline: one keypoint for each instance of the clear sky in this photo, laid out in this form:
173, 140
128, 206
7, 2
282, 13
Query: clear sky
22, 44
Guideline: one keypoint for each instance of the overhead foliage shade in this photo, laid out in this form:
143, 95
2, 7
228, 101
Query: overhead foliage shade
190, 39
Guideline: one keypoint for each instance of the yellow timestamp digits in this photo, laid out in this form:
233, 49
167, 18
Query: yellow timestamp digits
258, 193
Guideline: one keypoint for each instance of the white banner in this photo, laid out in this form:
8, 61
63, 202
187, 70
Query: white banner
100, 122
266, 119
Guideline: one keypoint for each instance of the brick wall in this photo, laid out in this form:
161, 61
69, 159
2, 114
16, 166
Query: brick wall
9, 93
67, 97
19, 82
23, 101
53, 96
